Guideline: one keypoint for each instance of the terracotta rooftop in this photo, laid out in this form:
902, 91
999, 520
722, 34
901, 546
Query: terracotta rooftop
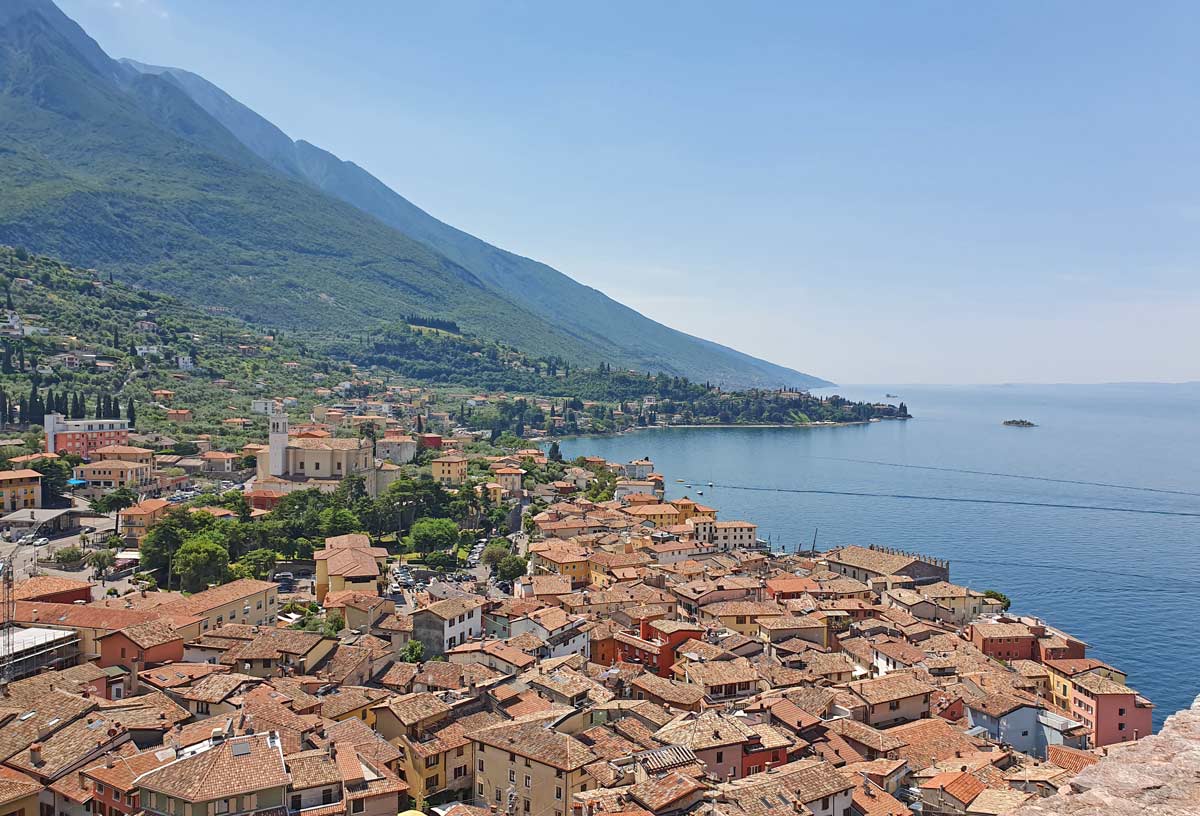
238, 765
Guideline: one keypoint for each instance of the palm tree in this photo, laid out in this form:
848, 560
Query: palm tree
101, 561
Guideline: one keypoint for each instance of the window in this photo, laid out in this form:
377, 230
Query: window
460, 751
825, 803
528, 781
431, 761
894, 705
558, 793
497, 794
512, 776
201, 707
295, 803
327, 796
720, 756
1120, 726
525, 806
358, 805
1120, 711
99, 789
479, 766
479, 789
460, 771
222, 806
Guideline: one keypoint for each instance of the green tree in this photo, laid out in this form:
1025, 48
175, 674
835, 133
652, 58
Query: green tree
496, 551
337, 521
101, 561
414, 652
68, 555
554, 454
131, 413
114, 502
441, 561
55, 473
510, 568
257, 563
202, 560
429, 534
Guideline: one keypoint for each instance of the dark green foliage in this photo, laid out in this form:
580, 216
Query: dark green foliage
430, 534
510, 568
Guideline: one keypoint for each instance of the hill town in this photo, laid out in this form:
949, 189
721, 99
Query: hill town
333, 622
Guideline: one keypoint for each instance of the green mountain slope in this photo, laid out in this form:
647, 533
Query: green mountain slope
127, 170
613, 330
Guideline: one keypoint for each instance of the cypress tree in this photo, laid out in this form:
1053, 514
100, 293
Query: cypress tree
99, 408
130, 413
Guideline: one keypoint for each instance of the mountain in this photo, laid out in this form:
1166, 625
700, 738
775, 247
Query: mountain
161, 176
614, 330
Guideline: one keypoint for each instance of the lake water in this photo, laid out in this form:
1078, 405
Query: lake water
1090, 520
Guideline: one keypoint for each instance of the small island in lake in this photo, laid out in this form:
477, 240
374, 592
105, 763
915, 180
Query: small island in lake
1019, 423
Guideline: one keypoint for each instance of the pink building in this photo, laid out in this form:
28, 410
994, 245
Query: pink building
1114, 712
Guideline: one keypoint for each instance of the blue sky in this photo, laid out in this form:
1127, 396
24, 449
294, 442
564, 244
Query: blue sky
873, 192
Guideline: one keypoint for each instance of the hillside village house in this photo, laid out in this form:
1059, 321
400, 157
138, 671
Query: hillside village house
349, 562
450, 471
108, 475
539, 767
447, 623
20, 490
137, 520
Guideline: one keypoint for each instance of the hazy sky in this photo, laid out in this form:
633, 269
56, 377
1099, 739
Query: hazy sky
888, 192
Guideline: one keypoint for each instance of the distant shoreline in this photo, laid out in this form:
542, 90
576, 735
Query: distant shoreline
719, 426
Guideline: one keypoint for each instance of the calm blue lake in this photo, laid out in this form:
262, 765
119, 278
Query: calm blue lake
1090, 520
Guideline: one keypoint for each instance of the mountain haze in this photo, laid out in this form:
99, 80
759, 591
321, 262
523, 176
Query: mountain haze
166, 179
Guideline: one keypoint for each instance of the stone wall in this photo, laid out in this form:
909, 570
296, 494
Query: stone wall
1156, 776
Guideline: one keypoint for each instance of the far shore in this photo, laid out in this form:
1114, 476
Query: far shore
717, 426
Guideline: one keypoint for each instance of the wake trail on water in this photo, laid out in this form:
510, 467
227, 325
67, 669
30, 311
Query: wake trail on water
1112, 485
959, 500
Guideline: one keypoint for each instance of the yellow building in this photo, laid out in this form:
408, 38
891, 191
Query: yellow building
20, 490
107, 475
350, 562
450, 470
542, 768
1062, 674
740, 616
18, 793
688, 509
660, 515
570, 561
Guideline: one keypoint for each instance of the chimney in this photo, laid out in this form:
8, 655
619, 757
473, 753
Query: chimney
217, 736
35, 754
